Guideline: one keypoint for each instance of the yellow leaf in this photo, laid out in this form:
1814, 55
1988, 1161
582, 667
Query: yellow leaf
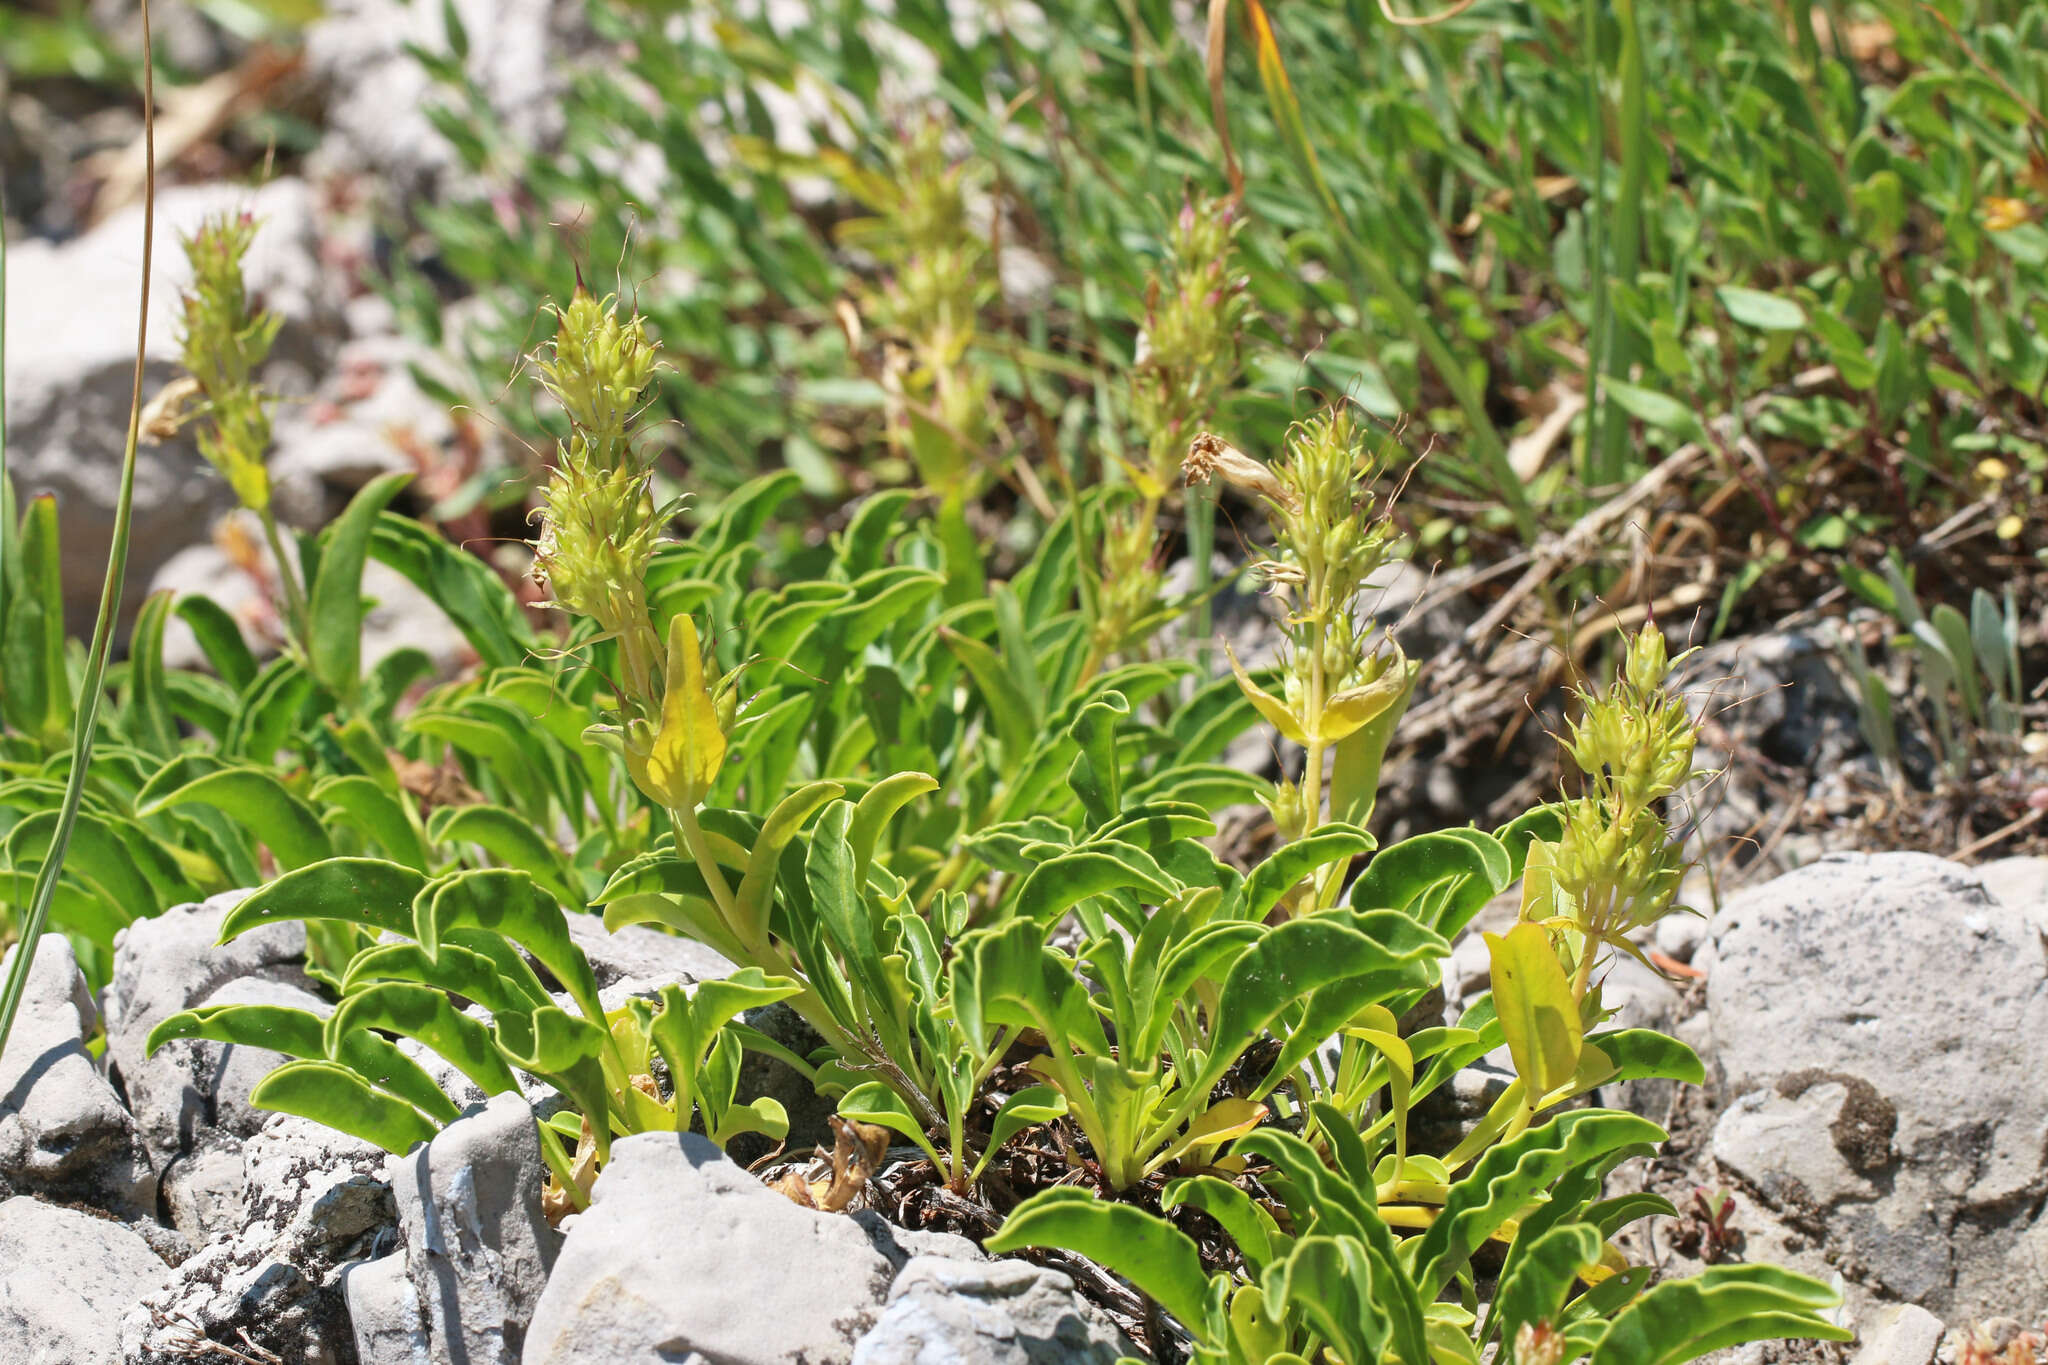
1269, 706
1536, 1009
1354, 709
1221, 1123
682, 761
1539, 883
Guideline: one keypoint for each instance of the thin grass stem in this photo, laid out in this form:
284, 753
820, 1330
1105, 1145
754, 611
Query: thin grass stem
91, 688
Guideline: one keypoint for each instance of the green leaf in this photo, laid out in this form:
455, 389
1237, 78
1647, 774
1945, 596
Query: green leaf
150, 724
334, 605
364, 802
1442, 878
1060, 883
294, 1032
270, 712
465, 588
457, 970
430, 1017
1096, 777
1645, 1054
1008, 710
1252, 1229
331, 1094
268, 809
1300, 957
37, 691
1658, 410
508, 902
1511, 1176
220, 639
876, 807
1286, 866
1329, 1281
756, 894
562, 1050
302, 1034
1027, 1108
1534, 1288
512, 840
366, 891
1146, 1250
1724, 1305
874, 1102
1765, 312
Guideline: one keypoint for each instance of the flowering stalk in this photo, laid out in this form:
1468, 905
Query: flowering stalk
930, 301
1616, 869
225, 341
672, 713
1345, 685
1613, 869
1187, 356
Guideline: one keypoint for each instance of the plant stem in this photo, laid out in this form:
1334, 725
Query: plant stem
86, 719
288, 577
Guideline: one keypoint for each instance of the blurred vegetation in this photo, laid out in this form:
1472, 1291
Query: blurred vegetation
1802, 248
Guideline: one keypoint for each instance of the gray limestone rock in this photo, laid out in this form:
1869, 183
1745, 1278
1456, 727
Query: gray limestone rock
170, 963
683, 1254
317, 1200
476, 1246
987, 1313
63, 1130
1904, 1335
65, 1280
385, 1313
1870, 1011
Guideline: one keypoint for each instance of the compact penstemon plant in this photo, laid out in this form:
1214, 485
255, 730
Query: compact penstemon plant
1352, 1247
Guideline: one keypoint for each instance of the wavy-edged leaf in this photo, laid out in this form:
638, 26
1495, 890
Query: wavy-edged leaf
429, 1017
1148, 1251
756, 894
151, 727
467, 590
1510, 1176
270, 711
372, 892
220, 639
876, 807
331, 1094
1644, 1054
1252, 1229
1299, 958
511, 839
459, 970
1443, 877
563, 1050
1286, 866
1534, 1288
1723, 1305
508, 902
276, 815
1064, 881
364, 803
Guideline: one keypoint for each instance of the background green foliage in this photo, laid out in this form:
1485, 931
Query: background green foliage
1760, 198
